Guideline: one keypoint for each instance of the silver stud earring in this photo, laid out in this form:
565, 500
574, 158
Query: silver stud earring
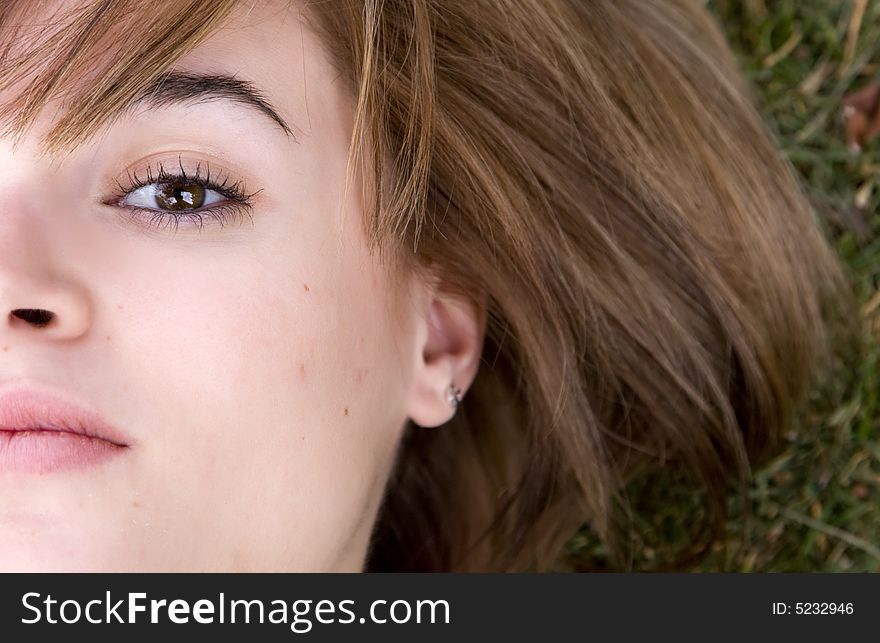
454, 395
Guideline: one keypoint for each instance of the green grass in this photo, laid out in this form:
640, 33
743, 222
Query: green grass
816, 507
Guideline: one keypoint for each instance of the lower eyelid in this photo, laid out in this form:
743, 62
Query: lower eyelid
226, 214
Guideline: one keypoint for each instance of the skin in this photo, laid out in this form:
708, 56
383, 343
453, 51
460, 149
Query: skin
262, 372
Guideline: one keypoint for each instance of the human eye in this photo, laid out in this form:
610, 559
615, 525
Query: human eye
166, 197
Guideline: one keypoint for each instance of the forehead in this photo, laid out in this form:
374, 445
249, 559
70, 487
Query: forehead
90, 58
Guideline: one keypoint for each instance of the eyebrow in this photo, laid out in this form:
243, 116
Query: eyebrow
183, 87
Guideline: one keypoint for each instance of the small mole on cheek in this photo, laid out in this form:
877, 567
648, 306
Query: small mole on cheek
346, 410
306, 287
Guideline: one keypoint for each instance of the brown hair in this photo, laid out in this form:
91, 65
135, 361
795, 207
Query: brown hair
656, 286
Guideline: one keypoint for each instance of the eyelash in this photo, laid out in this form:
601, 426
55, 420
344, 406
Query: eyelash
236, 207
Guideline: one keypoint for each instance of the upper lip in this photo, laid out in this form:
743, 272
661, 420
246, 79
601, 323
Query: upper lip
32, 409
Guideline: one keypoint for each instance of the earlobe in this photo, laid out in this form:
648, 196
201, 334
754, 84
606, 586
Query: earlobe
448, 350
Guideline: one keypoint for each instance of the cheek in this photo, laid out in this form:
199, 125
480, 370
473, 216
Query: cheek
275, 386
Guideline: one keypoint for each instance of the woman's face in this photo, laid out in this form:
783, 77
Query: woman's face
257, 363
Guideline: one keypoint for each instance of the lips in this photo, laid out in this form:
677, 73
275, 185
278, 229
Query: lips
42, 432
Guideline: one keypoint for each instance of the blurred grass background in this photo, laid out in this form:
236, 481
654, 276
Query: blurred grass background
816, 507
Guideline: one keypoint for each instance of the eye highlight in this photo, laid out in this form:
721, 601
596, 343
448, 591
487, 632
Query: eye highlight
163, 198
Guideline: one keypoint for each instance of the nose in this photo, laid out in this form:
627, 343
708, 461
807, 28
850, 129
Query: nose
36, 297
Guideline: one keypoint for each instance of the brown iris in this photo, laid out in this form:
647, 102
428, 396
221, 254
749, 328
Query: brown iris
180, 196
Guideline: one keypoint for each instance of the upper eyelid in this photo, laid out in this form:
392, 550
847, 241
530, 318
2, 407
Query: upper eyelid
161, 173
202, 173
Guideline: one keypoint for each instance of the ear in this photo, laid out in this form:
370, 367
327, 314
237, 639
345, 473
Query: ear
449, 344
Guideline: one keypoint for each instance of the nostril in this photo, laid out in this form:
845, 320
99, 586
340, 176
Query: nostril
34, 316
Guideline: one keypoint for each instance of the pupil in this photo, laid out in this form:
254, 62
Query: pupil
180, 196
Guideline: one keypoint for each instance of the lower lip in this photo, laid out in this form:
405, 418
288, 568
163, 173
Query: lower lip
49, 451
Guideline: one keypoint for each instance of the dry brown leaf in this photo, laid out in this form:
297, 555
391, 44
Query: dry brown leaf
861, 113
